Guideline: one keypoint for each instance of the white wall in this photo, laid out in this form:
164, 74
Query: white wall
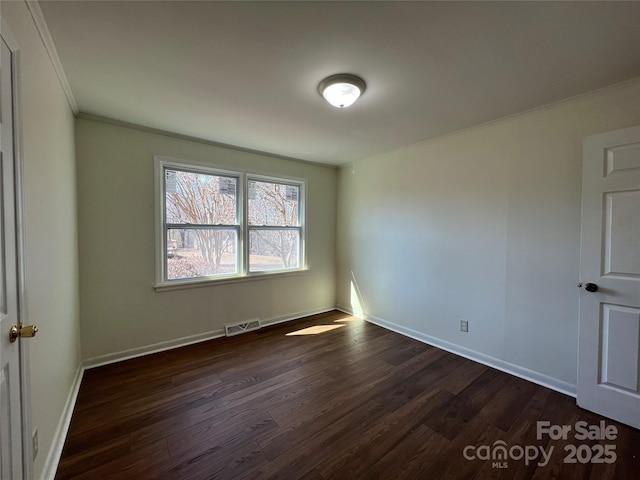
51, 232
120, 310
482, 225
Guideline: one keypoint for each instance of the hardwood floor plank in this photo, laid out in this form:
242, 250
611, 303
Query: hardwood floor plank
351, 407
215, 410
464, 375
137, 405
350, 384
476, 432
230, 433
382, 437
508, 402
89, 459
129, 465
211, 464
410, 457
467, 469
355, 402
304, 409
403, 352
296, 446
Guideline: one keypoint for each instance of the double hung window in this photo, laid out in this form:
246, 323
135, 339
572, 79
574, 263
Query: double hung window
216, 224
274, 225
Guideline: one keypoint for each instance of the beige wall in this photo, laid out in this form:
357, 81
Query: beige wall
120, 310
483, 225
51, 233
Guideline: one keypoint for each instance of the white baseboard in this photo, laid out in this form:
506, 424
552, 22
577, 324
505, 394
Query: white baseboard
149, 349
294, 316
60, 435
488, 360
184, 341
348, 311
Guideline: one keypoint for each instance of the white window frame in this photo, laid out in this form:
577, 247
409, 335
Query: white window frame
301, 184
162, 283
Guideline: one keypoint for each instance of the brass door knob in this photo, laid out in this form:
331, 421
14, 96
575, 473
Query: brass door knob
20, 331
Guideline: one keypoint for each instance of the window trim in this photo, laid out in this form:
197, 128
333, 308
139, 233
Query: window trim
301, 184
243, 230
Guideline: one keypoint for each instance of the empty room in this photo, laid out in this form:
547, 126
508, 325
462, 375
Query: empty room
319, 240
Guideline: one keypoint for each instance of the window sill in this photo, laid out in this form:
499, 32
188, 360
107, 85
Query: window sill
184, 284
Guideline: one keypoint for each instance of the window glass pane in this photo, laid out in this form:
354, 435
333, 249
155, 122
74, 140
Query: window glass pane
273, 204
200, 199
198, 252
273, 250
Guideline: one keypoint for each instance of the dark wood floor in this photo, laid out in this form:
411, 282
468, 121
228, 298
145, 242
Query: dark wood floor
353, 402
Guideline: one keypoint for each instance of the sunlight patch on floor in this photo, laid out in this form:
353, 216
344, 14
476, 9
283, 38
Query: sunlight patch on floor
315, 330
348, 319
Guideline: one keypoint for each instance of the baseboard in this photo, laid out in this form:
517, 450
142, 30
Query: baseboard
60, 435
184, 341
294, 316
504, 366
149, 349
348, 311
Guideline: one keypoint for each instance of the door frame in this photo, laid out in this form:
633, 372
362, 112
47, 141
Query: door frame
25, 377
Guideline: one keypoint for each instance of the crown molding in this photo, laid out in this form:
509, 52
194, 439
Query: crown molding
189, 138
50, 47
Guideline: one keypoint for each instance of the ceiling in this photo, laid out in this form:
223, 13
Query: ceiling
246, 73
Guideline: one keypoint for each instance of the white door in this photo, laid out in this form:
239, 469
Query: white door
11, 467
609, 338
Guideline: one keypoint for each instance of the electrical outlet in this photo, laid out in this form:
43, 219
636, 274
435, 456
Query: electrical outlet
464, 326
35, 443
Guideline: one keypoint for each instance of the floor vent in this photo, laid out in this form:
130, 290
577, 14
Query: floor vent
239, 328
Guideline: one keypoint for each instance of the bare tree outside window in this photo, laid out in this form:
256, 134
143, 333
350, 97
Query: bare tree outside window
200, 206
274, 225
216, 224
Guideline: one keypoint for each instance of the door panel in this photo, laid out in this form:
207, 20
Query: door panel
10, 400
609, 336
623, 158
619, 346
622, 233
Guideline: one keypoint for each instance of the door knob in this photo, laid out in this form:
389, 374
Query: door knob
589, 287
20, 331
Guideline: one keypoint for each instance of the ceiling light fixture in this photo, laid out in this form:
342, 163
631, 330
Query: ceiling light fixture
342, 90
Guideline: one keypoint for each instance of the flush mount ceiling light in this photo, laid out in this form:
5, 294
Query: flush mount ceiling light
342, 90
